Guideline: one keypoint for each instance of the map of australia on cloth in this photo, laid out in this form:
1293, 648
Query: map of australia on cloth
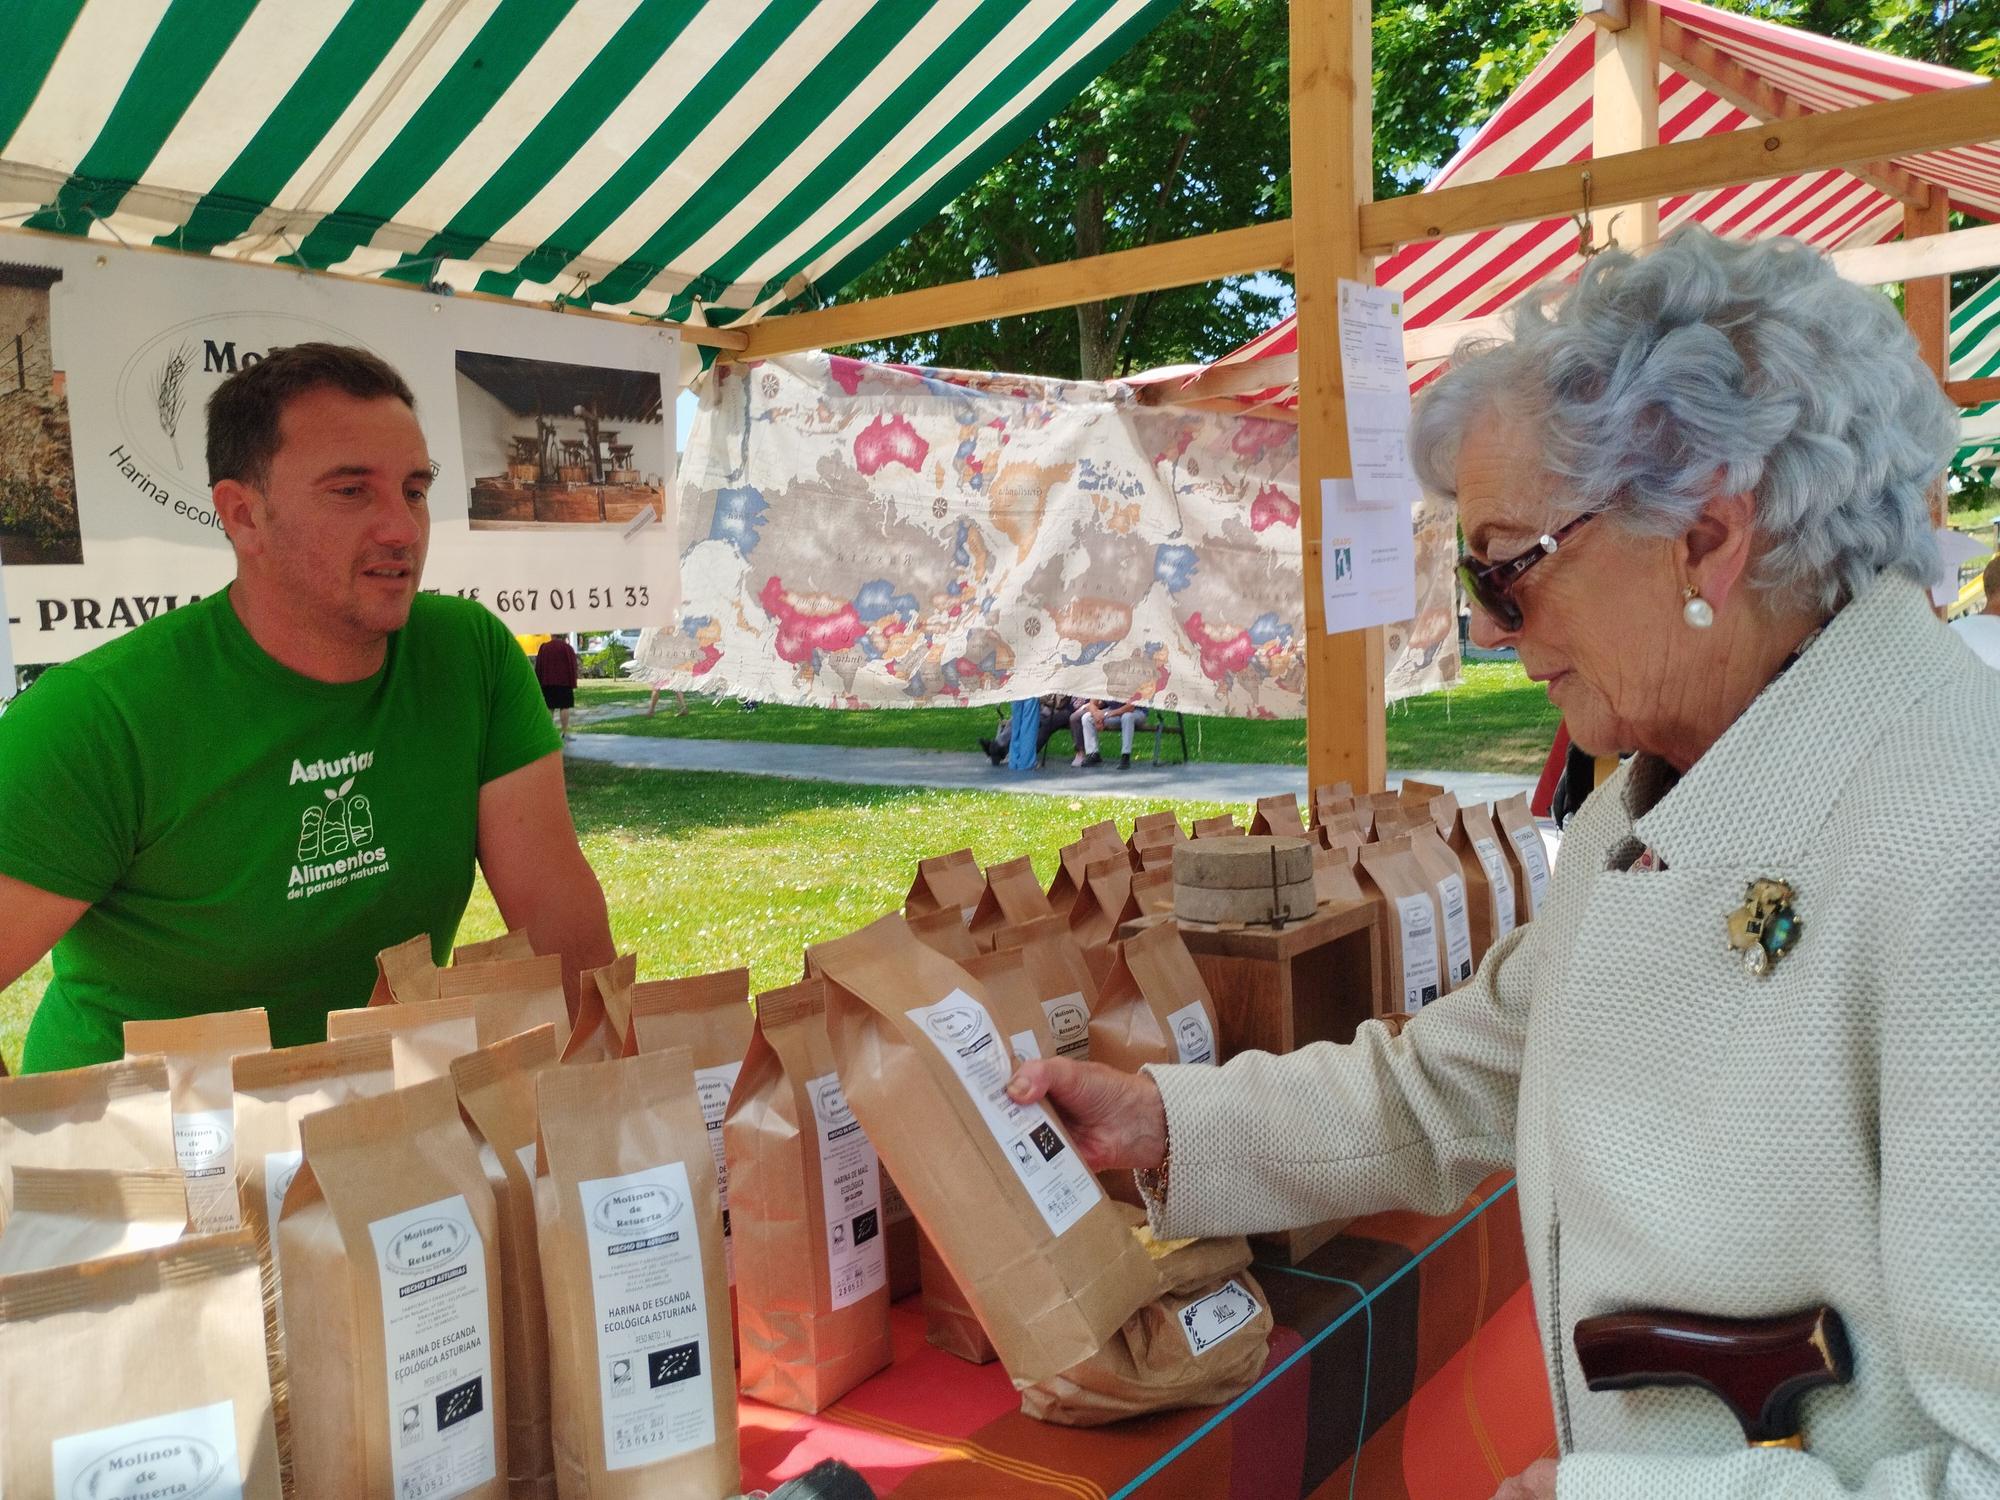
865, 536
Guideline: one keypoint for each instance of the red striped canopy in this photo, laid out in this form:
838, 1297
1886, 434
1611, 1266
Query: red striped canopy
1705, 54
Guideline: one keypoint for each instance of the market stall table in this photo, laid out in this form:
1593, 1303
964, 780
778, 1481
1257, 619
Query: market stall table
1407, 1346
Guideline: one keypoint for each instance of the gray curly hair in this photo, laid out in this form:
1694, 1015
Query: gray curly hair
1707, 367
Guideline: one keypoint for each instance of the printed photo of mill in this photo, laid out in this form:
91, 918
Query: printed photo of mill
38, 523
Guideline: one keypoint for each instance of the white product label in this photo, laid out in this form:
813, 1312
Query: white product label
1457, 929
1535, 860
713, 1087
1043, 1158
1024, 1045
1416, 925
1194, 1038
654, 1366
1211, 1319
280, 1167
1495, 865
205, 1147
1069, 1023
438, 1343
850, 1179
181, 1453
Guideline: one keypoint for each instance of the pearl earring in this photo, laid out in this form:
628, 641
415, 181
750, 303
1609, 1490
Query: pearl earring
1698, 613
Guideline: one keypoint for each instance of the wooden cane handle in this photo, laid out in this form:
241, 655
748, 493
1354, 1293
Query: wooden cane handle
1760, 1368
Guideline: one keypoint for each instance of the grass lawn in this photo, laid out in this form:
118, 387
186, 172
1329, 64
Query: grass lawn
1494, 720
705, 872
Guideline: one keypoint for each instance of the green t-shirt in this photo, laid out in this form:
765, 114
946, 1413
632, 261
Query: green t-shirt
245, 835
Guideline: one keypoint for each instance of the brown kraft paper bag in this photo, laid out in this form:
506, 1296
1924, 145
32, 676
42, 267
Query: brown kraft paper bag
510, 996
406, 974
112, 1115
1152, 845
613, 985
1154, 829
274, 1092
496, 1090
175, 1371
1013, 1211
1334, 882
631, 1239
1072, 859
1441, 873
944, 931
1336, 796
199, 1050
1200, 1343
1530, 856
1012, 895
1063, 985
709, 1014
1278, 815
514, 943
1390, 872
1152, 891
948, 882
62, 1217
950, 1323
423, 1039
392, 1312
1155, 1007
1489, 881
806, 1209
1222, 826
1107, 885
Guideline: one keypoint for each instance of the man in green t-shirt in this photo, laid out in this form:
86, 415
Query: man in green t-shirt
241, 802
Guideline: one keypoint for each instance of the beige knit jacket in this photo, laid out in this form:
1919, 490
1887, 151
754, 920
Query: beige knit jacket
1689, 1136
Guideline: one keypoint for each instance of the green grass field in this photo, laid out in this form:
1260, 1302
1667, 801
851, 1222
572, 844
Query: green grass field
706, 872
1494, 720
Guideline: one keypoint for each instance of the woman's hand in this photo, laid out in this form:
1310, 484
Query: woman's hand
1536, 1482
1116, 1119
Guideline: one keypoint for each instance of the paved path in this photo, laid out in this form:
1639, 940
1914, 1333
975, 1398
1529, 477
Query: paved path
969, 770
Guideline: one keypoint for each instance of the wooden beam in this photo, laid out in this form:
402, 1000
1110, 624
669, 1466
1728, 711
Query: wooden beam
1973, 392
1927, 299
1606, 15
1937, 121
1973, 249
1722, 75
1625, 116
1332, 149
1150, 268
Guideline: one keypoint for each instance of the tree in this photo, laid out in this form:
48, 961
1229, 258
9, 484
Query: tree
1188, 134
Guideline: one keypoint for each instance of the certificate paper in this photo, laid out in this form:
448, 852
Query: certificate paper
1377, 394
1368, 568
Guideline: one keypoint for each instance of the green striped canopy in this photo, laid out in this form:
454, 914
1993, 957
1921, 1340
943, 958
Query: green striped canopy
1975, 352
700, 161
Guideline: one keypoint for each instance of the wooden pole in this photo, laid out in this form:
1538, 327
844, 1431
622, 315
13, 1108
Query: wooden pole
1332, 150
1927, 310
1625, 114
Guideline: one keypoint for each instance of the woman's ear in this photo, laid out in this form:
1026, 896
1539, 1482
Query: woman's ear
1716, 550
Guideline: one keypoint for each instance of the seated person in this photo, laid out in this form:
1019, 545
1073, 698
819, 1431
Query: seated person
1091, 716
1055, 717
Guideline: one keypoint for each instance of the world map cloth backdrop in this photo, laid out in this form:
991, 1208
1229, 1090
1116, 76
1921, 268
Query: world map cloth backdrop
870, 536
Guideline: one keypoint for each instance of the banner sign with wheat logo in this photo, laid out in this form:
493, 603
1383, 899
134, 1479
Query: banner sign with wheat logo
551, 437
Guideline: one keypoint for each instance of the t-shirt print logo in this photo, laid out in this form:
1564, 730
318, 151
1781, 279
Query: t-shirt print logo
338, 840
346, 822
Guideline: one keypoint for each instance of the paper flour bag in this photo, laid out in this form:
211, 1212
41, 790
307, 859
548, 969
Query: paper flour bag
950, 1323
1530, 856
392, 1304
274, 1092
1012, 896
198, 1051
1441, 873
63, 1217
806, 1211
1064, 987
1155, 1008
111, 1115
1107, 886
496, 1090
1221, 826
1013, 1211
1489, 883
631, 1237
1334, 880
510, 996
423, 1039
950, 882
613, 985
944, 930
1410, 915
514, 943
174, 1377
1277, 815
406, 974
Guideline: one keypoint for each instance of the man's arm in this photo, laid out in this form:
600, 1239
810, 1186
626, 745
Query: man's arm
537, 872
34, 922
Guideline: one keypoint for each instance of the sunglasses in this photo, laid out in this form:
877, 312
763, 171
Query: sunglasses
1491, 586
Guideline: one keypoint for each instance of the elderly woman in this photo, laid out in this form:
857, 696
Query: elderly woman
1693, 488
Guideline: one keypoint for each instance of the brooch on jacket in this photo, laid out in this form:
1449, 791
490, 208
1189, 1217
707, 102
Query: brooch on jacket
1765, 927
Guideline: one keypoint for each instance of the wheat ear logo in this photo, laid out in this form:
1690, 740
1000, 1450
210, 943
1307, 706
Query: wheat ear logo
170, 394
346, 822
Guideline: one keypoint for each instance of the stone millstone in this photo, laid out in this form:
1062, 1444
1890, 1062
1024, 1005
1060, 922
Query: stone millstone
1252, 862
1251, 907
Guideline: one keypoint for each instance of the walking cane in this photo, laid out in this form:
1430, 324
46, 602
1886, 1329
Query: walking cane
1760, 1368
